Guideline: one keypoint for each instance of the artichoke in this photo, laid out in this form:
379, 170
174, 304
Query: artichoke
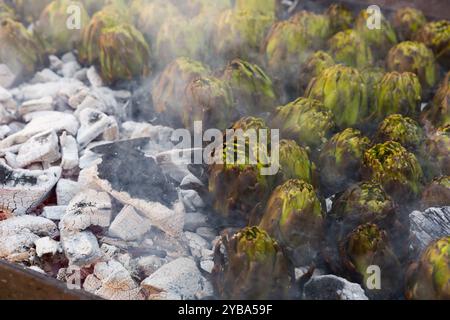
210, 100
6, 12
397, 93
367, 246
438, 149
436, 193
379, 40
414, 57
365, 202
240, 33
169, 89
239, 190
313, 66
429, 278
438, 111
306, 121
290, 42
124, 54
266, 7
436, 35
52, 26
250, 265
295, 162
407, 21
341, 18
192, 8
349, 48
401, 129
342, 91
294, 217
29, 10
252, 89
372, 76
395, 168
341, 159
19, 50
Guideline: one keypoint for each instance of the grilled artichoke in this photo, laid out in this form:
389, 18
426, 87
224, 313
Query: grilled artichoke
379, 40
438, 111
407, 21
124, 54
53, 30
6, 12
267, 7
341, 159
438, 149
414, 57
250, 265
437, 193
29, 10
19, 50
252, 89
306, 121
343, 91
395, 168
295, 163
436, 35
313, 66
401, 129
295, 219
169, 89
192, 8
429, 278
372, 76
341, 18
349, 48
210, 100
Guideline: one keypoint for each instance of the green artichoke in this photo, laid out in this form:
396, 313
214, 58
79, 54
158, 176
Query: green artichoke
169, 88
343, 91
368, 246
306, 121
192, 8
438, 149
6, 12
349, 48
429, 278
436, 35
266, 7
210, 100
437, 113
29, 10
19, 50
407, 21
436, 193
295, 163
395, 168
401, 129
250, 265
372, 76
341, 159
294, 217
365, 202
414, 57
379, 40
52, 26
313, 66
341, 18
252, 89
124, 54
397, 93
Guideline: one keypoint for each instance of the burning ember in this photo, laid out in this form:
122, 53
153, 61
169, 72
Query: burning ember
174, 149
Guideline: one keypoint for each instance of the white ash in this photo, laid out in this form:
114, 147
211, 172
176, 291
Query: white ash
54, 213
87, 208
4, 131
207, 265
42, 104
42, 147
53, 89
69, 69
36, 269
44, 76
191, 181
5, 95
330, 287
7, 77
194, 220
207, 233
28, 224
129, 225
196, 244
174, 163
66, 190
13, 245
147, 265
69, 150
191, 199
94, 78
46, 245
94, 124
109, 251
68, 57
81, 248
55, 63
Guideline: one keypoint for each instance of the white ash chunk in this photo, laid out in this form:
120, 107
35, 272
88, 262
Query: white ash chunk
53, 120
129, 225
46, 245
5, 95
94, 78
55, 63
7, 111
69, 69
66, 190
42, 104
159, 135
54, 212
42, 147
194, 220
16, 244
207, 265
88, 208
430, 225
36, 225
53, 89
149, 264
22, 190
46, 75
190, 181
93, 124
191, 199
114, 282
331, 287
196, 244
7, 77
81, 248
180, 278
4, 131
69, 150
207, 233
109, 251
